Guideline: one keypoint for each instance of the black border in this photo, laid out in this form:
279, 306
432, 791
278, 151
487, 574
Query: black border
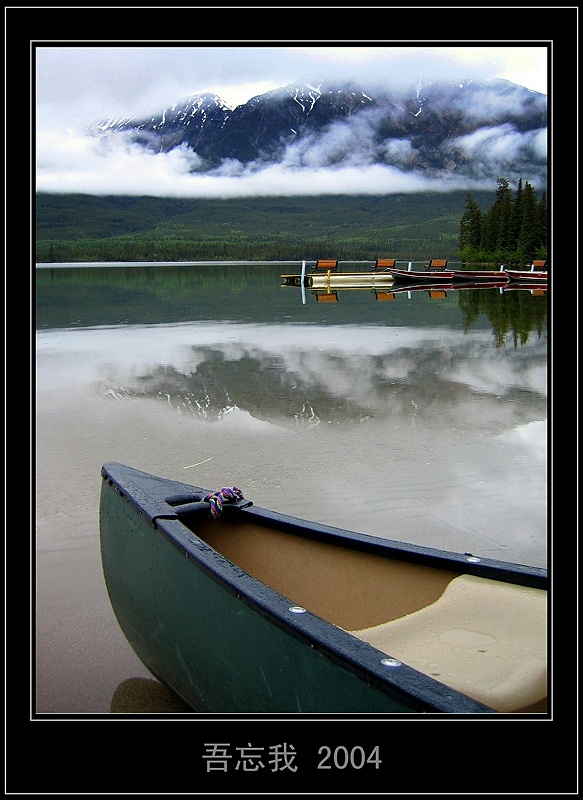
76, 755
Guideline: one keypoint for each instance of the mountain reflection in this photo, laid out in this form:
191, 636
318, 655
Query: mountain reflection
210, 340
307, 375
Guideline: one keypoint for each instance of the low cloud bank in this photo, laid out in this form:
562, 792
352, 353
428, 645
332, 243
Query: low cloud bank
344, 161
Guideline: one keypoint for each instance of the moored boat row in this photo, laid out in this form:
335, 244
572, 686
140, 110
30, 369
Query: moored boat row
503, 275
325, 274
436, 291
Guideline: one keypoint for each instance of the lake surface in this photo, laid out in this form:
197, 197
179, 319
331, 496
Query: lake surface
421, 419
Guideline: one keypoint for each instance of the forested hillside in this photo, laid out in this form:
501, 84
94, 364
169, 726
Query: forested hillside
409, 226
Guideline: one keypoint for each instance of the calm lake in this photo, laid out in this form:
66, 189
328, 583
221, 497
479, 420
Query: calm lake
421, 419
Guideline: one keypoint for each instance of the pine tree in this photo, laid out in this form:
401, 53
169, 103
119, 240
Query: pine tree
495, 239
543, 225
516, 217
471, 226
529, 237
503, 237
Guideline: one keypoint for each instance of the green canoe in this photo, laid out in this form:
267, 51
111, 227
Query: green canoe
238, 609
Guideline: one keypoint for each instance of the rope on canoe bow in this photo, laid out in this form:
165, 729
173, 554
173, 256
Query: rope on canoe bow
216, 499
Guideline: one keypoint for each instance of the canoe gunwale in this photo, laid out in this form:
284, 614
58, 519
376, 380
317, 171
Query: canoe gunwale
157, 509
525, 276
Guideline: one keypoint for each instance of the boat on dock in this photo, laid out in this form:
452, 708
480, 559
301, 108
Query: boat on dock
527, 276
339, 280
324, 274
438, 272
435, 272
328, 289
238, 608
475, 275
536, 273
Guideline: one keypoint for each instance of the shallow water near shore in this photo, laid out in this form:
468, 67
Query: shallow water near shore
421, 420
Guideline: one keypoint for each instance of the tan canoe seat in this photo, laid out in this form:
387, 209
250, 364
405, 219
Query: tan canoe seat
484, 638
328, 264
384, 296
438, 263
539, 264
326, 297
384, 263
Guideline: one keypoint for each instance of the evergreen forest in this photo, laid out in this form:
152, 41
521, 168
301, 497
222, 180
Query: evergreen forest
512, 231
484, 227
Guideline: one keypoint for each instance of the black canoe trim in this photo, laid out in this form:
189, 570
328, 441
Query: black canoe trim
154, 496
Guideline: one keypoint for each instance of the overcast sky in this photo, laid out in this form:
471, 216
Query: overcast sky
76, 84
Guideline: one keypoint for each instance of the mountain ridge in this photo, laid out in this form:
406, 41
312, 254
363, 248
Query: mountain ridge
481, 130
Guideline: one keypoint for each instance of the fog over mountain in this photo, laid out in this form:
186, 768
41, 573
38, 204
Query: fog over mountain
317, 138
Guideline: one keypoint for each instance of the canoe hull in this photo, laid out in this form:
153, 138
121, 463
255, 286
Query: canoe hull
449, 276
198, 636
476, 275
213, 650
339, 280
223, 640
526, 276
422, 276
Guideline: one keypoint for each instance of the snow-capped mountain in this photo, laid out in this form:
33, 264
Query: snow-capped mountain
490, 129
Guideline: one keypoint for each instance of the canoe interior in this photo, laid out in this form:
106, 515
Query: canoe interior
349, 588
